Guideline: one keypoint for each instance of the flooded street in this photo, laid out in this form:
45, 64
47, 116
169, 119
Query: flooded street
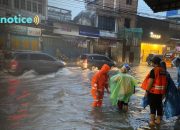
62, 101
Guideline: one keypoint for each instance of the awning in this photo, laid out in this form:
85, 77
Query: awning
163, 5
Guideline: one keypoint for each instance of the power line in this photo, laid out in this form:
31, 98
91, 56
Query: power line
125, 11
68, 5
69, 2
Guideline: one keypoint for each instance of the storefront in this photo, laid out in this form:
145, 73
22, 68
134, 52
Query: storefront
130, 45
105, 46
16, 37
69, 40
92, 35
156, 36
151, 48
154, 43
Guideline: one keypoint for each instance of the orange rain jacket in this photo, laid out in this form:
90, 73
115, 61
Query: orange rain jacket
99, 82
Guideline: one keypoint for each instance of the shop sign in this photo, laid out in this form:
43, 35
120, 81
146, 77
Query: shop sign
108, 34
88, 31
155, 36
66, 29
33, 31
17, 29
23, 30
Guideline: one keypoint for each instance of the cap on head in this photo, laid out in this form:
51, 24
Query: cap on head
156, 60
125, 68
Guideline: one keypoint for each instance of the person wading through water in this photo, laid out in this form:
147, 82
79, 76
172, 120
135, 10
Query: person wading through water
99, 82
122, 86
155, 85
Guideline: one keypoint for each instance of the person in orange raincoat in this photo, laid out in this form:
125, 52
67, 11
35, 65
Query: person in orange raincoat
99, 82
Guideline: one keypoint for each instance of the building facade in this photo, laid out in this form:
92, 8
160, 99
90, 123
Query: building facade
115, 20
26, 8
158, 37
58, 14
22, 36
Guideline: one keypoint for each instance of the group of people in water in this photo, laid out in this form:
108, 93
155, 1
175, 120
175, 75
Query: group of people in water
122, 86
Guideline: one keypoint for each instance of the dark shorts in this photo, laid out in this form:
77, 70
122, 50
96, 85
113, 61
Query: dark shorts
155, 102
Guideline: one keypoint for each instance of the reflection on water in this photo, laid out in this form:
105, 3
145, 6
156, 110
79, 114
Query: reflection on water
61, 101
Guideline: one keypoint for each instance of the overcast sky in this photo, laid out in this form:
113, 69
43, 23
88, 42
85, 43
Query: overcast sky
77, 6
143, 7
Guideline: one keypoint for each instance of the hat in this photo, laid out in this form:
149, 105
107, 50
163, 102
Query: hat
156, 60
126, 66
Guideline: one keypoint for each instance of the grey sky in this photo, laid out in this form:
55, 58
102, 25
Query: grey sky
143, 7
77, 6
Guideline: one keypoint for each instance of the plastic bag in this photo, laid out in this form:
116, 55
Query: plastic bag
172, 101
144, 102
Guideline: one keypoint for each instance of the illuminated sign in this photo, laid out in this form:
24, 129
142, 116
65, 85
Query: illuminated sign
155, 36
20, 20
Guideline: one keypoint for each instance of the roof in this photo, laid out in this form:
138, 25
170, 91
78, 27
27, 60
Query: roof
163, 5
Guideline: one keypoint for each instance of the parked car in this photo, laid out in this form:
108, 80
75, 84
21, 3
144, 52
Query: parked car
94, 60
20, 61
150, 56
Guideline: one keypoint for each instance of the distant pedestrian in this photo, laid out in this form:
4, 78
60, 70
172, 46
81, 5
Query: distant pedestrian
155, 85
99, 83
176, 63
122, 86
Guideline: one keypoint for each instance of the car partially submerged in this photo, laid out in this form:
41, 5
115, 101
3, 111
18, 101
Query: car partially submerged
17, 62
94, 60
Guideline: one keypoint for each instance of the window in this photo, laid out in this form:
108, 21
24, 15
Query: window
41, 57
40, 8
129, 2
47, 58
5, 2
106, 23
127, 23
35, 7
22, 57
29, 5
106, 59
16, 4
102, 58
23, 4
35, 57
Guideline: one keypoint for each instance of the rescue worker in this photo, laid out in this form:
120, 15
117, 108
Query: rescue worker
155, 85
122, 86
98, 83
